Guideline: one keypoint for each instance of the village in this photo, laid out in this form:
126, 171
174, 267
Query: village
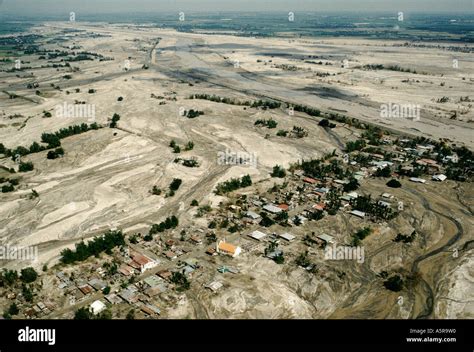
139, 276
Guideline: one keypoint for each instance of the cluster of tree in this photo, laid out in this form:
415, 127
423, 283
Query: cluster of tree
333, 204
405, 238
299, 132
319, 168
115, 119
25, 166
316, 215
374, 67
373, 135
191, 114
10, 187
308, 110
104, 243
378, 211
325, 123
180, 280
177, 148
169, 223
266, 104
54, 154
383, 172
303, 260
360, 235
10, 277
53, 140
156, 191
282, 133
355, 145
352, 185
266, 221
233, 184
278, 171
266, 123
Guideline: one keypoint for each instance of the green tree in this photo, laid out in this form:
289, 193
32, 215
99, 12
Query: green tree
82, 314
13, 309
28, 275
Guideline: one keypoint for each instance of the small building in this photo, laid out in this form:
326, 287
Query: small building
417, 180
287, 236
153, 281
195, 239
97, 284
257, 235
358, 213
85, 289
144, 262
439, 178
252, 215
214, 286
211, 251
113, 298
170, 255
228, 249
387, 196
284, 207
272, 209
97, 307
129, 295
310, 180
327, 239
150, 309
165, 274
126, 270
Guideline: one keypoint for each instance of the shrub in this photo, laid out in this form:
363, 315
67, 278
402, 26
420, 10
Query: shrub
394, 184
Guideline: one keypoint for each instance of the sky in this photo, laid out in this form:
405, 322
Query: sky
28, 7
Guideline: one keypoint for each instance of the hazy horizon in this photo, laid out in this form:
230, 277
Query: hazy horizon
54, 7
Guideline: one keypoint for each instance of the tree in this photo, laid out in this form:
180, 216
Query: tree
175, 184
13, 309
25, 167
278, 171
82, 314
106, 314
194, 203
9, 277
156, 191
130, 314
384, 172
394, 283
106, 290
27, 293
115, 119
352, 185
279, 258
190, 145
394, 184
28, 275
180, 280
